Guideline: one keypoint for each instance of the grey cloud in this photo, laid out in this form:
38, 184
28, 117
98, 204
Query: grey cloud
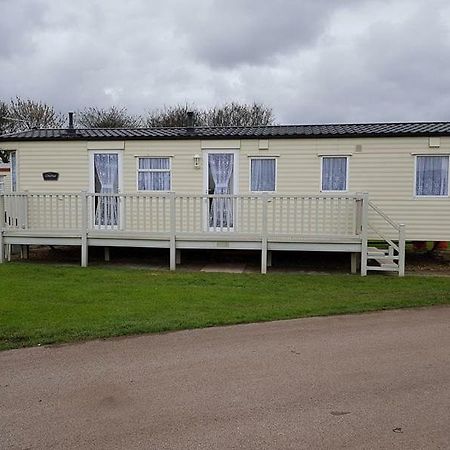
395, 71
248, 32
311, 61
18, 21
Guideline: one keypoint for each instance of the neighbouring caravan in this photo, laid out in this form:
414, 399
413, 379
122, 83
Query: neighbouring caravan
301, 187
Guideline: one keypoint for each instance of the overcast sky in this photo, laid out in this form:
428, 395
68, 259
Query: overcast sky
313, 61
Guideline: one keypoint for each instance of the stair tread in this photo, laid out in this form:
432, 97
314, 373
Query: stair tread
382, 257
383, 269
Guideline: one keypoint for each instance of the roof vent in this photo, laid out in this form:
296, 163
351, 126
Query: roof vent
71, 129
190, 120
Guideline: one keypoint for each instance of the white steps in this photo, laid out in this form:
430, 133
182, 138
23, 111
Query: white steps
386, 260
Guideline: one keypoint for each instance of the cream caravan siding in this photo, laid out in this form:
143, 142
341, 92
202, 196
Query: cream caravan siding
69, 159
384, 167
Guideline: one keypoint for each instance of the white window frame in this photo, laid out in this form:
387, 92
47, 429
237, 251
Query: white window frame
250, 173
2, 183
236, 163
138, 170
14, 170
206, 152
347, 170
91, 167
435, 197
92, 154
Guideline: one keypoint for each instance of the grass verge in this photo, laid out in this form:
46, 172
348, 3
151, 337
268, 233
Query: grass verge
42, 304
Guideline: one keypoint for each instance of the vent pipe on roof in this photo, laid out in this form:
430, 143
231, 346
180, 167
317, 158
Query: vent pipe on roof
70, 120
71, 129
190, 119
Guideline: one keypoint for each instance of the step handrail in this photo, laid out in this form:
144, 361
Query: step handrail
394, 224
400, 228
389, 241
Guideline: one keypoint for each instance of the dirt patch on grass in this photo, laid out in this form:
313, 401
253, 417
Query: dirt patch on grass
428, 262
418, 263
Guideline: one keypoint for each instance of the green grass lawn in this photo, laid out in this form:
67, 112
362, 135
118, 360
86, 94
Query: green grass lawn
44, 304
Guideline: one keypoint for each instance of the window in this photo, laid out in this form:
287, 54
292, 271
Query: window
263, 173
154, 174
2, 184
13, 162
432, 175
334, 173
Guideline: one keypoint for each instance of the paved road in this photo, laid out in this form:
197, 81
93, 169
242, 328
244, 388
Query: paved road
378, 380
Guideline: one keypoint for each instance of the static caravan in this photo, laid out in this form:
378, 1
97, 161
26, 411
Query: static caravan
343, 188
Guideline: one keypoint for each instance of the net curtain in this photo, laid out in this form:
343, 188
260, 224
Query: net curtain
432, 175
154, 174
221, 210
334, 174
263, 175
106, 167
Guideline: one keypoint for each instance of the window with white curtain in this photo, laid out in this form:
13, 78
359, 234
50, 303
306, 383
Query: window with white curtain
2, 184
432, 175
334, 173
154, 174
263, 174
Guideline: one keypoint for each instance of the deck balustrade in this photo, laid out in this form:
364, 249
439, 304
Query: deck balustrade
325, 219
153, 213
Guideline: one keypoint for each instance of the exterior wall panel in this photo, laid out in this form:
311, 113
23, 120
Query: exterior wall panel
383, 167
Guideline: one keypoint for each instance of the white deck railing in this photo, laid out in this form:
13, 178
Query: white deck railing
312, 215
170, 216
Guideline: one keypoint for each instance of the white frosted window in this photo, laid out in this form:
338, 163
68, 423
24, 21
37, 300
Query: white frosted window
263, 174
2, 184
432, 175
154, 174
334, 173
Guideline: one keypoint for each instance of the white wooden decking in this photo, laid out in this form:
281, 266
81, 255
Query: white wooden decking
328, 223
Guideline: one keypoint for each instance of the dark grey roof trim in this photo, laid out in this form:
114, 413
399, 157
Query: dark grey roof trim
406, 129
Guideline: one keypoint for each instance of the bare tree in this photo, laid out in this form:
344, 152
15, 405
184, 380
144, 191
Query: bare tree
28, 114
113, 117
239, 115
4, 123
229, 114
20, 114
4, 113
172, 116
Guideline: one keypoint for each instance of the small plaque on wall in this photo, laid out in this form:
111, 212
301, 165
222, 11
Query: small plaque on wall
50, 176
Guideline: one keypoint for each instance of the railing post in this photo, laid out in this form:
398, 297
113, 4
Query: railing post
265, 200
364, 232
84, 229
2, 228
353, 262
401, 252
173, 218
121, 211
25, 211
358, 214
